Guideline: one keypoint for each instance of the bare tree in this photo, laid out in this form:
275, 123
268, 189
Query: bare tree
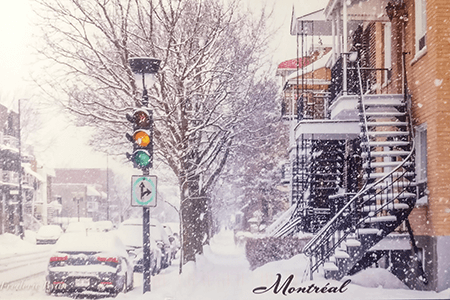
210, 79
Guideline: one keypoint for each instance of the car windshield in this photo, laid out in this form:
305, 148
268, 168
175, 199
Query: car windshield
131, 235
130, 232
50, 229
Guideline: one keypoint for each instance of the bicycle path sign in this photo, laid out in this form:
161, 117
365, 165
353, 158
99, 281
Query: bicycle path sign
143, 190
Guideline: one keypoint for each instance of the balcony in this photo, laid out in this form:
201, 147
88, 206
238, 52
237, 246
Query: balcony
285, 173
10, 177
9, 142
343, 104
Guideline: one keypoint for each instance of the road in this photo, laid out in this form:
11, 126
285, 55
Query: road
23, 273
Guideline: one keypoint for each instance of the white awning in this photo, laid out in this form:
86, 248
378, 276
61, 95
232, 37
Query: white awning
29, 171
91, 191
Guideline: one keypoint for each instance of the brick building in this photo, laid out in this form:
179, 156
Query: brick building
369, 175
81, 193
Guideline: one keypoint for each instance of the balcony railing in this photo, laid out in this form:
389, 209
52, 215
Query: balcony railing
10, 177
10, 141
372, 79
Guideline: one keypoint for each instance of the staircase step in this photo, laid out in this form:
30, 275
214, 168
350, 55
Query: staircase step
385, 153
362, 231
386, 164
386, 143
397, 184
387, 133
385, 123
377, 101
389, 196
395, 174
330, 266
390, 206
381, 219
352, 243
386, 114
341, 254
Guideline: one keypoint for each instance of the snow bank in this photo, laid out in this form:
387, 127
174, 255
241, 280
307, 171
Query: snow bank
377, 277
223, 273
11, 244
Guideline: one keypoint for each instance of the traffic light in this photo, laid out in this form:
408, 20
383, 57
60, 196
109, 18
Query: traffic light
142, 138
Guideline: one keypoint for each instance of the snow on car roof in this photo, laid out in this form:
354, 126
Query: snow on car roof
133, 236
90, 242
50, 229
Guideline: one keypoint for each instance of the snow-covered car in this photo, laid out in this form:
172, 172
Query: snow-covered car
78, 227
173, 239
103, 226
162, 240
130, 232
48, 234
89, 263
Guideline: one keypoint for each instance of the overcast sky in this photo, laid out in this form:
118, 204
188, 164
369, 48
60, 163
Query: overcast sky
16, 32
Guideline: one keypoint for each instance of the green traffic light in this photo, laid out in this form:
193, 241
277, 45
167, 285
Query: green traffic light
142, 159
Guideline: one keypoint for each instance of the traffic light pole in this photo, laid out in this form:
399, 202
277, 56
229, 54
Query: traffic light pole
146, 220
146, 243
143, 150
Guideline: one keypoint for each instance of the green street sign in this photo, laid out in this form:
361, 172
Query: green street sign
143, 190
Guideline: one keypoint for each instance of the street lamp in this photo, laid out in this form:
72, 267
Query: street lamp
144, 69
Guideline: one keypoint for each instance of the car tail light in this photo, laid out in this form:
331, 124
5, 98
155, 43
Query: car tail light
108, 259
106, 282
58, 258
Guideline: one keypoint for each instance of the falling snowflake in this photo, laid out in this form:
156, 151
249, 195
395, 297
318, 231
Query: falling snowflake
438, 82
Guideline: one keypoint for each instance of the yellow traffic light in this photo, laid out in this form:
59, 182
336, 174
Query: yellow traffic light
141, 138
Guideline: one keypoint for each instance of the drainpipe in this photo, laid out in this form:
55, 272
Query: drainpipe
333, 34
345, 50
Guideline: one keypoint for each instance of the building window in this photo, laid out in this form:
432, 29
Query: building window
421, 24
92, 206
421, 153
387, 51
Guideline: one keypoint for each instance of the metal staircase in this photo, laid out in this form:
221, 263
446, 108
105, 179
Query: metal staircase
317, 174
387, 195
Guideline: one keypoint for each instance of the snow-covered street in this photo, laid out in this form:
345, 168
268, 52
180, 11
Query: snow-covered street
223, 273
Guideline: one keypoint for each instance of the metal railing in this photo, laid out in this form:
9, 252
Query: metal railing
366, 75
388, 191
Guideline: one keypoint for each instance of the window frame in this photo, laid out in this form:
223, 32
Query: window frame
421, 26
387, 52
421, 153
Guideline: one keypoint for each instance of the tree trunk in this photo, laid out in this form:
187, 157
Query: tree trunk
195, 219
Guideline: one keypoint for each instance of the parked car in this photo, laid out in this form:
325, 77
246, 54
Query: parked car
173, 239
78, 227
103, 226
90, 263
162, 240
48, 234
130, 232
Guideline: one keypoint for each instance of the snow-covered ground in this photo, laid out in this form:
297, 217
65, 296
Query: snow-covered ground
223, 273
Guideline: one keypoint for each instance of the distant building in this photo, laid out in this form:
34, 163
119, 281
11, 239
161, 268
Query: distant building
12, 168
81, 193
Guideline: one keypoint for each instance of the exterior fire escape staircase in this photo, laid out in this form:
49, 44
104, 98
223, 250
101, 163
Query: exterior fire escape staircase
387, 195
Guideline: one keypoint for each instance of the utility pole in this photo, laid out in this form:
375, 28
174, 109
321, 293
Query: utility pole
107, 186
21, 231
